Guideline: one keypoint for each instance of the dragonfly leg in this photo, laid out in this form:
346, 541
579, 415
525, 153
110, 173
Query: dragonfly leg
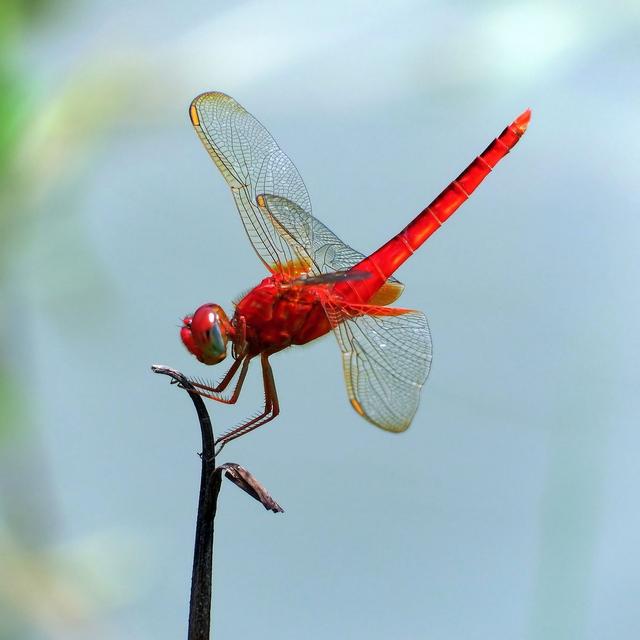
239, 347
207, 391
224, 383
270, 411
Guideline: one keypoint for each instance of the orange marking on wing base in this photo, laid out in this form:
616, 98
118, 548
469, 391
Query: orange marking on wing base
356, 405
295, 267
389, 292
193, 114
261, 203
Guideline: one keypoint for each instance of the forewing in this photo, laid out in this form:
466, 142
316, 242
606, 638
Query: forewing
314, 242
386, 356
252, 163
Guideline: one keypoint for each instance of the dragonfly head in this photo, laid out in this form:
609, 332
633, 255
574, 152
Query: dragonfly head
206, 333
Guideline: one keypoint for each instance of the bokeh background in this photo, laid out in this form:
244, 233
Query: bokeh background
509, 509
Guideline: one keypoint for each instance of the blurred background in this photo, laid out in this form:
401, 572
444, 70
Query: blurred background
509, 509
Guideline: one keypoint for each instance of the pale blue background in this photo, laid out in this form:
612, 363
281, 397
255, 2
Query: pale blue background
510, 508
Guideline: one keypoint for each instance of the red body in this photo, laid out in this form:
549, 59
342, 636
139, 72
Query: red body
279, 313
317, 282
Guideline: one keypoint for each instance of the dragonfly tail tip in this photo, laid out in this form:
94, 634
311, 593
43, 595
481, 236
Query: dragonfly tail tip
521, 123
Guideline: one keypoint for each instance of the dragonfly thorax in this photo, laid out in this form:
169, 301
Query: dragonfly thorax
206, 333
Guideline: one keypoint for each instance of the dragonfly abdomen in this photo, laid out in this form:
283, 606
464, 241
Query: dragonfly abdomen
383, 263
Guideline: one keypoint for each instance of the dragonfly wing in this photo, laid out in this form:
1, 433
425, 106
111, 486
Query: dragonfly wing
386, 356
314, 242
252, 163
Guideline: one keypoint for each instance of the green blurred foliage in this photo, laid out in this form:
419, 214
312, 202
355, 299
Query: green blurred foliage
9, 405
16, 16
35, 596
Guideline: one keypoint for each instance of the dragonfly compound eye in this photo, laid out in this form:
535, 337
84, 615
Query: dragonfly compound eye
206, 333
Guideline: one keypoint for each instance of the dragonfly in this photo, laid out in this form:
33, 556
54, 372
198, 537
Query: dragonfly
316, 282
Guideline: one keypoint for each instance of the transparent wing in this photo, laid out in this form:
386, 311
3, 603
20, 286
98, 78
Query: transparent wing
386, 356
252, 163
314, 243
266, 187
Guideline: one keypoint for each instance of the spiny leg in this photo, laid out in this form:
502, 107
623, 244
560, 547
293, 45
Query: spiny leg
271, 407
223, 384
209, 392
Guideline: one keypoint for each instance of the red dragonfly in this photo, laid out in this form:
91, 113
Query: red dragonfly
317, 283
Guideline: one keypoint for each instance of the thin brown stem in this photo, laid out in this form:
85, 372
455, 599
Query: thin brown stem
210, 482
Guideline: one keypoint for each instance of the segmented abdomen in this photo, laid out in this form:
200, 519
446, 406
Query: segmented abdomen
384, 262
